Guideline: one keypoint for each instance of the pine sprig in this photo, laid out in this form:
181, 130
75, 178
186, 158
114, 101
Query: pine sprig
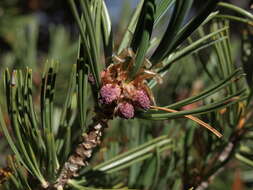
68, 151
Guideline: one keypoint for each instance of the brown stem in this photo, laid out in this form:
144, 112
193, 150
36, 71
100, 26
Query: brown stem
83, 151
224, 157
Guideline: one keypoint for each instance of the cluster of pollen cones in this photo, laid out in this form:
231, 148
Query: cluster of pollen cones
123, 97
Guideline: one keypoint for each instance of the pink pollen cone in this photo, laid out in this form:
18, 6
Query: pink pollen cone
125, 110
141, 100
109, 93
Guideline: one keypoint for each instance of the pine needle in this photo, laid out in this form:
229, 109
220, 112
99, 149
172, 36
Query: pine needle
197, 120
